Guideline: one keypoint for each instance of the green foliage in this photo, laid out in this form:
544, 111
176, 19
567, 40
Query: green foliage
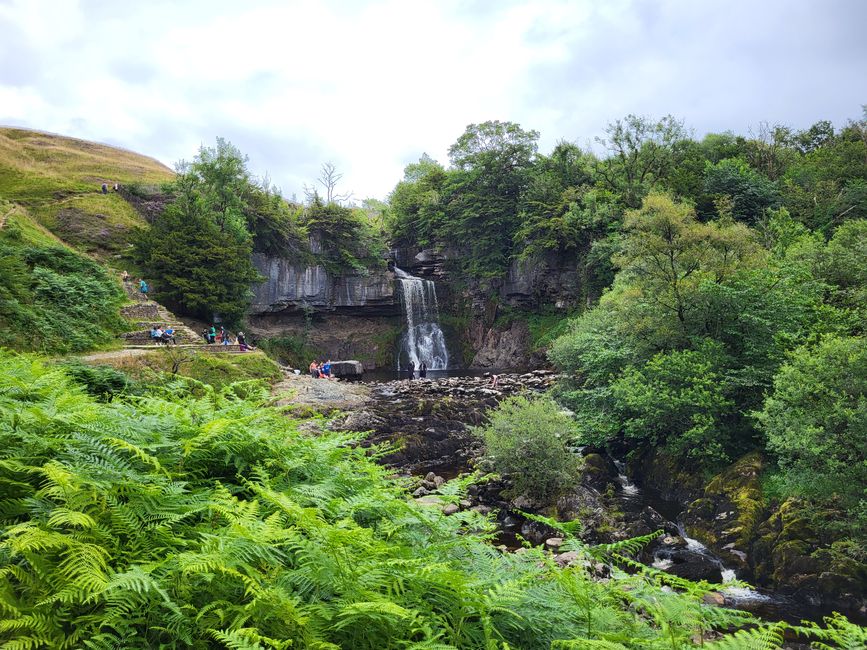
103, 382
525, 439
292, 350
343, 238
816, 419
173, 520
53, 299
699, 319
641, 156
197, 253
679, 399
749, 193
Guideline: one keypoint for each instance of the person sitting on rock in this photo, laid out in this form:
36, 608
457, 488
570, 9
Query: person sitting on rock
154, 336
242, 342
314, 369
325, 371
169, 335
158, 334
226, 337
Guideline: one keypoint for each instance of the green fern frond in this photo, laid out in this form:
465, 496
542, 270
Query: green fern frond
764, 637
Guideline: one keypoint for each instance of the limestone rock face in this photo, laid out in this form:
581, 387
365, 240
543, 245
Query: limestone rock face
503, 349
293, 288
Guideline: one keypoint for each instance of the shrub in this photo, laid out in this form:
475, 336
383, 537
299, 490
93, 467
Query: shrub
816, 421
525, 439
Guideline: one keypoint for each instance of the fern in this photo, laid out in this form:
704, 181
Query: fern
763, 637
190, 517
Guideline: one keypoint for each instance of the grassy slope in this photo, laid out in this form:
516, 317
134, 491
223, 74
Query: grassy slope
57, 180
52, 211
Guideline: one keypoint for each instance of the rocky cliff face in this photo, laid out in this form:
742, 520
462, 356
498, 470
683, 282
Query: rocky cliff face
547, 280
350, 316
290, 288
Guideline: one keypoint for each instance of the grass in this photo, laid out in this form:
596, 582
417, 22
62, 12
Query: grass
215, 369
58, 180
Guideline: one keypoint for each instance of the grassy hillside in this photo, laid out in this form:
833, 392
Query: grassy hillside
56, 227
57, 181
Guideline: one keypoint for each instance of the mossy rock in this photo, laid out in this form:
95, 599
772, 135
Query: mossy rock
597, 471
795, 522
732, 506
786, 556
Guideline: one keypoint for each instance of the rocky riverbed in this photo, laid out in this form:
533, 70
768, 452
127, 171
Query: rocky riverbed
430, 422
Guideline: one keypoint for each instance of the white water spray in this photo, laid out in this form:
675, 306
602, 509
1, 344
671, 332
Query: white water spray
423, 342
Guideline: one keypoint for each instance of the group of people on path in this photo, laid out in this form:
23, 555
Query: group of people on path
321, 370
163, 335
422, 370
223, 337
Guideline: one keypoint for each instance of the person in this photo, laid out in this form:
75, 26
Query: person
212, 335
116, 187
411, 370
226, 338
124, 276
326, 370
495, 379
206, 336
242, 342
158, 334
154, 336
143, 286
169, 334
314, 369
422, 370
105, 188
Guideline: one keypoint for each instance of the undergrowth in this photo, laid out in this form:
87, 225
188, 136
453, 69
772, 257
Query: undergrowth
187, 518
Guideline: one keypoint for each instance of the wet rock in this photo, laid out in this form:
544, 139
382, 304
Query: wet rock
361, 420
553, 543
695, 567
597, 472
714, 598
567, 559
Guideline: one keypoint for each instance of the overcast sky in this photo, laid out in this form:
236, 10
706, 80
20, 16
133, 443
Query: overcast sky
371, 85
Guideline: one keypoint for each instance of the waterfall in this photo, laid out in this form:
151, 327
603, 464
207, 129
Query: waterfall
423, 341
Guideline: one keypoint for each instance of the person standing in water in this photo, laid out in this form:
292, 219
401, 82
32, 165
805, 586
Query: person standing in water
422, 370
411, 370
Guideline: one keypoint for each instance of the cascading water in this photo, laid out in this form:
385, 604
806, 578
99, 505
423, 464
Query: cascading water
423, 342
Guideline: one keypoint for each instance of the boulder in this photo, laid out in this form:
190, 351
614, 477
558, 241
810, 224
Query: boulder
347, 369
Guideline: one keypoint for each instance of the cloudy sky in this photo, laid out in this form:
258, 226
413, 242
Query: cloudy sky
371, 85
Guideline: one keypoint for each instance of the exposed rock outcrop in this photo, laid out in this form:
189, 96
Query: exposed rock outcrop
292, 288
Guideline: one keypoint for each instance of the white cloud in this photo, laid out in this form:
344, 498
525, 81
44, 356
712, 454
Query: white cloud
372, 85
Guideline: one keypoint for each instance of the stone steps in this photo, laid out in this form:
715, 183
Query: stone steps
145, 312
